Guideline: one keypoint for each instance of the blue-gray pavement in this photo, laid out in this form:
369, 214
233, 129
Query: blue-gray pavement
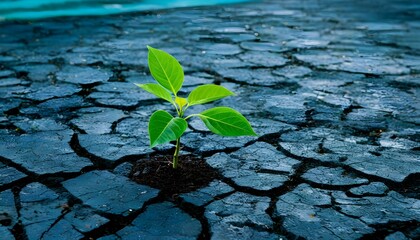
332, 88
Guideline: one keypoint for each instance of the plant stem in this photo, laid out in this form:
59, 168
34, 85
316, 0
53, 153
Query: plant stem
192, 115
178, 141
176, 154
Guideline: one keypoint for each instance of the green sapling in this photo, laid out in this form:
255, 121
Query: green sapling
163, 127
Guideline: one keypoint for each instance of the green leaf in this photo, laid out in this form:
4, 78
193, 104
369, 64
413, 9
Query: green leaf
157, 90
164, 128
181, 102
207, 93
226, 122
165, 69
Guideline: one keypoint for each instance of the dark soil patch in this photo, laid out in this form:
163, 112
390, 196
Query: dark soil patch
192, 173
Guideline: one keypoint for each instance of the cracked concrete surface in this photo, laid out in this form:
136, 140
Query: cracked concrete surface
331, 87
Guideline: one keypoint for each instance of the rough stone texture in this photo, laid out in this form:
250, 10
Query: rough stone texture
221, 49
7, 82
9, 174
6, 234
331, 87
379, 210
266, 60
331, 177
396, 236
120, 94
262, 46
97, 120
304, 194
259, 77
117, 194
292, 71
133, 127
266, 126
385, 165
84, 219
351, 62
202, 143
49, 153
58, 106
207, 194
240, 216
290, 109
62, 230
332, 146
303, 212
397, 140
8, 212
37, 72
329, 223
36, 192
6, 73
110, 237
38, 125
124, 169
372, 119
82, 75
259, 166
372, 189
40, 209
8, 104
113, 147
42, 93
162, 221
309, 143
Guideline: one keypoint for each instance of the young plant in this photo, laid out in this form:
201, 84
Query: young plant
163, 127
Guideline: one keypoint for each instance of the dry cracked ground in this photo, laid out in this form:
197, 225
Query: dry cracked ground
331, 87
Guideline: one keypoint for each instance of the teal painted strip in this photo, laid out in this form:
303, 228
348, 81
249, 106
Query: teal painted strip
36, 9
